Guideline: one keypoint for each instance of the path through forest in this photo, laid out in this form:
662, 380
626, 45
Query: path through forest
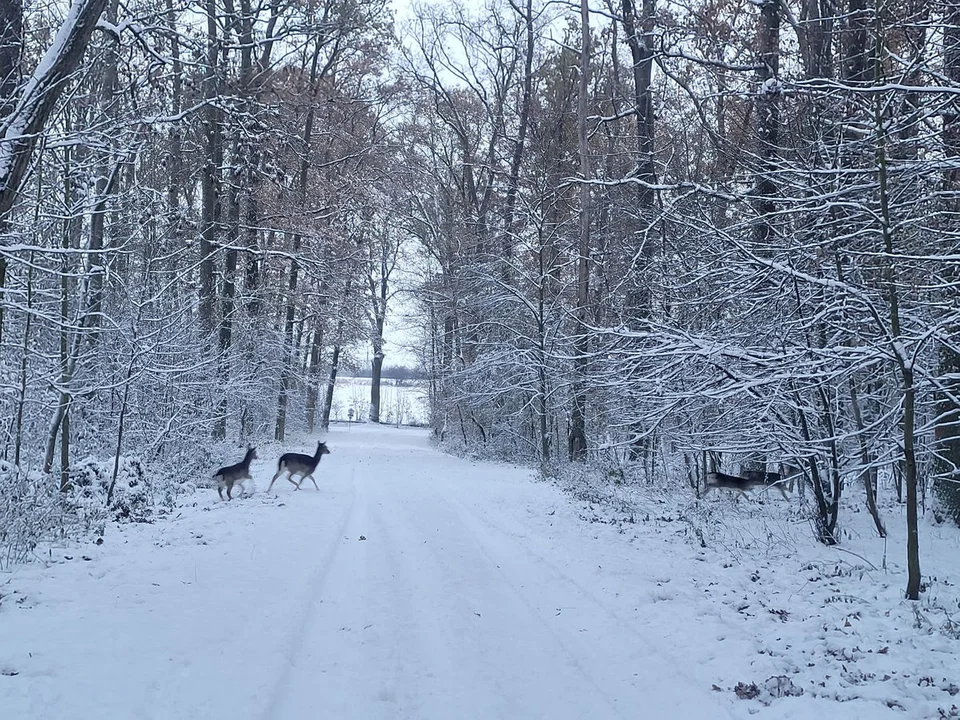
411, 585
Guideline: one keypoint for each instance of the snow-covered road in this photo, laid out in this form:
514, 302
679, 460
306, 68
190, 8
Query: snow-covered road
425, 598
412, 585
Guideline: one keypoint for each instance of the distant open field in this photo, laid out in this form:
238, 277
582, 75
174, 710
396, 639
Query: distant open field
405, 404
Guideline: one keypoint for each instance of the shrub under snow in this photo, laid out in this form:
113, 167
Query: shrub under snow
34, 511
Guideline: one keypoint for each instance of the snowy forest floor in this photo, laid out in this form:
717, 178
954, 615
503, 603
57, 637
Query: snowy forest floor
418, 585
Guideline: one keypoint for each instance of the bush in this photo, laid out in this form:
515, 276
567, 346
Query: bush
135, 496
33, 511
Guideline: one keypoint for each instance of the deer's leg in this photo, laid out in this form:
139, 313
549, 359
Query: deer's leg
313, 481
279, 473
229, 491
293, 482
220, 491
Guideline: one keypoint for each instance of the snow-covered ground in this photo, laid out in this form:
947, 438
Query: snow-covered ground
418, 585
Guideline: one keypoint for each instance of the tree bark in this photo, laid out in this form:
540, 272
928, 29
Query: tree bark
898, 350
578, 435
911, 482
868, 472
768, 117
947, 431
378, 298
11, 50
175, 148
542, 386
289, 325
209, 186
313, 390
376, 370
335, 360
513, 182
331, 383
107, 174
24, 362
638, 246
21, 129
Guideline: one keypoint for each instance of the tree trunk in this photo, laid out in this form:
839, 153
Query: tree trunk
209, 187
513, 182
768, 116
65, 451
378, 291
827, 506
947, 431
25, 122
376, 369
11, 49
578, 434
910, 476
24, 361
331, 383
856, 57
227, 306
313, 390
868, 471
24, 117
289, 325
335, 362
815, 36
107, 174
542, 387
639, 248
67, 357
175, 146
899, 352
121, 427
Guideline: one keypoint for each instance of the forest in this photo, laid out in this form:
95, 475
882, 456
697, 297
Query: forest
659, 238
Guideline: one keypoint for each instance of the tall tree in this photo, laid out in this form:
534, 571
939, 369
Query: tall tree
948, 401
768, 115
23, 124
384, 251
578, 434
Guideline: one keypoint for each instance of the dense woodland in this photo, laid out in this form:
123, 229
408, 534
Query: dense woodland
661, 236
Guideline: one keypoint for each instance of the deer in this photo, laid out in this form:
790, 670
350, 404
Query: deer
300, 464
750, 480
230, 475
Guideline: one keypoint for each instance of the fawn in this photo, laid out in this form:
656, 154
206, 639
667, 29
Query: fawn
227, 477
750, 480
300, 464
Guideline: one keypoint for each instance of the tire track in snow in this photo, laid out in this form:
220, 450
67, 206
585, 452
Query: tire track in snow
411, 633
364, 645
444, 613
536, 613
476, 570
307, 610
502, 556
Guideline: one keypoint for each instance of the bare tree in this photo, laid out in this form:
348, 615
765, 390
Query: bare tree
578, 435
23, 124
